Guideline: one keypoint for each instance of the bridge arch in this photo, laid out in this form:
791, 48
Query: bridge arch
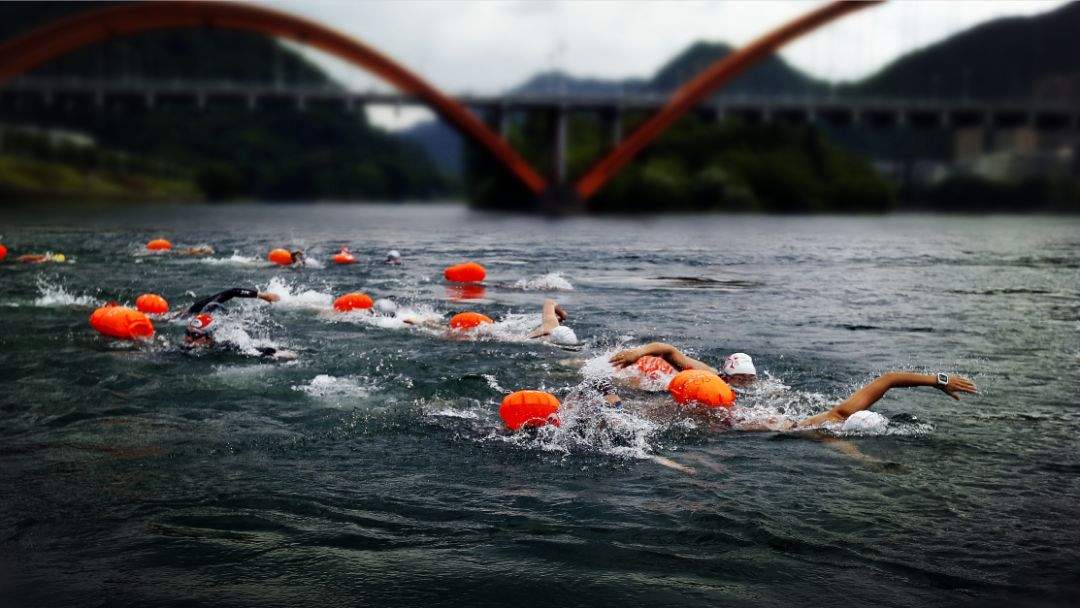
29, 50
711, 78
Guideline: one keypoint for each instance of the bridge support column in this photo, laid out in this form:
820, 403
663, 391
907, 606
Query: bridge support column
612, 123
560, 125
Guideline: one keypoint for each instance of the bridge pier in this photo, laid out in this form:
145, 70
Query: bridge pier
559, 125
612, 123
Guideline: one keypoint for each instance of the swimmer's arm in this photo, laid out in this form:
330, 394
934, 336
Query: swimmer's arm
870, 394
672, 355
549, 319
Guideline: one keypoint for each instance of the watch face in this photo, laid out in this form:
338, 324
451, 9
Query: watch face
943, 379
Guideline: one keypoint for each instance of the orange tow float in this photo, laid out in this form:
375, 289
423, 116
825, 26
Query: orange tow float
700, 386
529, 408
353, 301
151, 304
468, 272
3, 253
281, 257
343, 257
122, 322
469, 320
159, 245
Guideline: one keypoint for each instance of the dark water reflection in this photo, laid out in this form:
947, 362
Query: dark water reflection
373, 471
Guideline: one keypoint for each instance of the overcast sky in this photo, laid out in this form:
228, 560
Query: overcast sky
491, 45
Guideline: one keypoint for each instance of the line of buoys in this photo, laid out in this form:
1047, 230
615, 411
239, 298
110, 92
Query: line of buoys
343, 257
654, 368
700, 386
529, 408
3, 253
122, 322
159, 245
468, 272
151, 304
353, 301
469, 320
281, 257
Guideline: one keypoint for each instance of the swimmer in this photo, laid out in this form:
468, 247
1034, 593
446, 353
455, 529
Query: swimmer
737, 370
43, 258
199, 331
197, 252
393, 257
552, 317
215, 302
297, 257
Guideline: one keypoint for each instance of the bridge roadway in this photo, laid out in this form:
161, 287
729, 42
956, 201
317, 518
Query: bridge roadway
838, 111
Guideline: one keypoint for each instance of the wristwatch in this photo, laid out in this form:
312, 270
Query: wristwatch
943, 380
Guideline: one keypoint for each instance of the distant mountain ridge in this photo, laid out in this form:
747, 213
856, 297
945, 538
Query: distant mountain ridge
1012, 57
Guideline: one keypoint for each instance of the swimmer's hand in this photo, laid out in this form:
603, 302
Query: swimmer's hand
268, 297
957, 385
626, 358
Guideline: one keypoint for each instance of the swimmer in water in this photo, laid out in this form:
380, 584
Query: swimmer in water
552, 317
200, 329
738, 370
42, 258
197, 252
297, 257
393, 257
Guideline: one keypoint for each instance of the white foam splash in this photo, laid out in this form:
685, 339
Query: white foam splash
297, 297
57, 295
233, 260
324, 385
552, 281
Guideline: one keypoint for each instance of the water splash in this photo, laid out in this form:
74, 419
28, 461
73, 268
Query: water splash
55, 294
552, 281
324, 385
295, 296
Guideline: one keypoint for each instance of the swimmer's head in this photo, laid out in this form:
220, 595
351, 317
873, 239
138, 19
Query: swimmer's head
738, 369
59, 258
563, 336
385, 306
393, 257
199, 328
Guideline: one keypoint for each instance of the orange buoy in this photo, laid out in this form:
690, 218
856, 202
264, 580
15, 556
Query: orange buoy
353, 301
700, 386
469, 320
3, 253
281, 257
151, 304
343, 258
122, 322
529, 408
469, 272
159, 245
654, 367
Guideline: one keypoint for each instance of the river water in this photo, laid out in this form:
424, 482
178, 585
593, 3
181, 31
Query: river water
374, 469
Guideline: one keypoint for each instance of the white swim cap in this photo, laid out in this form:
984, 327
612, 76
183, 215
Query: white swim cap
738, 363
393, 253
865, 422
563, 336
385, 306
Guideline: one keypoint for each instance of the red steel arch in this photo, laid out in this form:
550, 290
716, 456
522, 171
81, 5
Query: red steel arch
25, 52
710, 79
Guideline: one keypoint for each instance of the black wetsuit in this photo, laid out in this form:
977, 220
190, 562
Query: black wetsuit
214, 302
